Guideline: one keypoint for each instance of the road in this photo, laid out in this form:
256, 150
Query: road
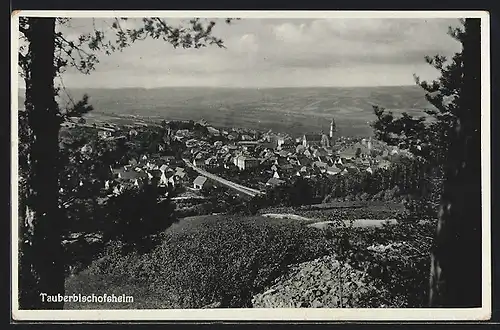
242, 189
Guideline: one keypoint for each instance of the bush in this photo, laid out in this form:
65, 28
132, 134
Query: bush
136, 214
212, 259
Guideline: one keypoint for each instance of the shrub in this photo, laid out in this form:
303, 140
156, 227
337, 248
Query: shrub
213, 259
136, 214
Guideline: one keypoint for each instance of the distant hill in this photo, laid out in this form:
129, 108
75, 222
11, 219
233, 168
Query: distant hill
294, 110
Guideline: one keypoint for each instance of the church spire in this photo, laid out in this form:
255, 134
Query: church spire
332, 128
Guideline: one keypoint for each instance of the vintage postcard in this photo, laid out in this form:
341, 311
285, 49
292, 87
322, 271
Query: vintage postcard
250, 166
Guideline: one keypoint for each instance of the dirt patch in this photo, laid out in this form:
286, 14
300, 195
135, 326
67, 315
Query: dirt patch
358, 223
287, 216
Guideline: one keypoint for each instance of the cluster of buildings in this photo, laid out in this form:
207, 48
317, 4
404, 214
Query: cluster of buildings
164, 171
271, 158
277, 157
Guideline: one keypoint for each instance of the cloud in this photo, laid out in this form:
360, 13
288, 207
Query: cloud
349, 41
276, 52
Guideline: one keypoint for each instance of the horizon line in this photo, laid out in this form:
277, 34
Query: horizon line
239, 87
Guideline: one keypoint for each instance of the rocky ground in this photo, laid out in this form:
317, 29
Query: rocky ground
321, 283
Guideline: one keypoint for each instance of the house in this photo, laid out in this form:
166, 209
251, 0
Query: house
333, 170
304, 172
200, 183
104, 134
273, 182
227, 158
202, 122
248, 145
163, 168
283, 153
300, 149
167, 159
182, 133
383, 164
244, 162
329, 160
117, 172
280, 140
213, 131
155, 176
133, 162
304, 161
118, 189
352, 169
246, 137
270, 141
233, 136
164, 176
281, 161
212, 161
230, 147
348, 153
176, 162
365, 162
179, 173
141, 179
133, 132
320, 165
320, 152
310, 140
199, 162
133, 177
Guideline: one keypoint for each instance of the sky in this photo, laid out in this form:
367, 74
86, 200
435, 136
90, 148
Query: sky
270, 52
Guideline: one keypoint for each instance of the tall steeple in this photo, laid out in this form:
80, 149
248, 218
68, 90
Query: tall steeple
332, 128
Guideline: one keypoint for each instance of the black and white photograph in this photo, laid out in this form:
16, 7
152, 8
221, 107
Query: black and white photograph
238, 165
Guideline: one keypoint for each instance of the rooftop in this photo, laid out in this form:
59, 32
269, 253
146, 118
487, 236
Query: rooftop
200, 180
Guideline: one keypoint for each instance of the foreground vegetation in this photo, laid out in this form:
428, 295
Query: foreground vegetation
203, 260
227, 260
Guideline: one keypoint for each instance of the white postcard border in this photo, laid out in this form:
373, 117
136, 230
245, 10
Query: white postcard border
288, 314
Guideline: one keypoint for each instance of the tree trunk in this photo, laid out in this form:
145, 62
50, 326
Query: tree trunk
456, 259
43, 255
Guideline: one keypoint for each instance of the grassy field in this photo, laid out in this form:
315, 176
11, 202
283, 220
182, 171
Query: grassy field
342, 211
292, 110
202, 260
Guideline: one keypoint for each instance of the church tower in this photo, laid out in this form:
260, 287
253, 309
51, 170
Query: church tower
332, 129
